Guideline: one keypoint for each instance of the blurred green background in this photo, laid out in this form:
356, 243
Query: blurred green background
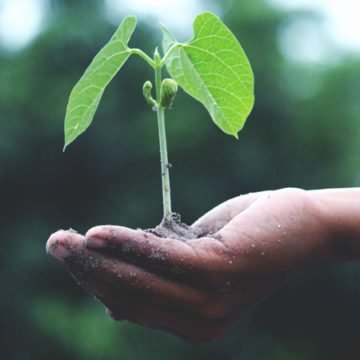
304, 131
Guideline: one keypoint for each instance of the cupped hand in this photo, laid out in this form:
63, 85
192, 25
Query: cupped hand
197, 289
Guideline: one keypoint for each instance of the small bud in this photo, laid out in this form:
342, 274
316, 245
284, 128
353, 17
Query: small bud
147, 87
168, 90
157, 56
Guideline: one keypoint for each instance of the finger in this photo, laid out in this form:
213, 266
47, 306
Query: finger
219, 216
125, 305
188, 327
177, 333
137, 246
128, 277
192, 261
61, 242
66, 246
98, 288
122, 306
138, 282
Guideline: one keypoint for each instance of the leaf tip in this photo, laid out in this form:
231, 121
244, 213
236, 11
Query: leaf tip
66, 144
163, 27
67, 141
131, 18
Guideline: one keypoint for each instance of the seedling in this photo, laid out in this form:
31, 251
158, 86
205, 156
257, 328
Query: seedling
212, 68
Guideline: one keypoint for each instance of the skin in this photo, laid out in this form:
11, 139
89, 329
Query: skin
200, 288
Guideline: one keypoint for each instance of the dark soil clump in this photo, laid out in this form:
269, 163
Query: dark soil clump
175, 229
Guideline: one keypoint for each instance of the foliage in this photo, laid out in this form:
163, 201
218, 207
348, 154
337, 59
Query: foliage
86, 95
212, 67
295, 138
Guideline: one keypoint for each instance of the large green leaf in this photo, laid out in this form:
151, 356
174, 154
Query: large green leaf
86, 95
213, 68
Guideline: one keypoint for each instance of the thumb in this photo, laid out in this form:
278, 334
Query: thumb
218, 217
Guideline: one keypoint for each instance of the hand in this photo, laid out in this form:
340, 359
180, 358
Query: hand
199, 288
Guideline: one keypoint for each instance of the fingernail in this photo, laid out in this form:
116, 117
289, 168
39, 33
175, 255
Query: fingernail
59, 251
95, 242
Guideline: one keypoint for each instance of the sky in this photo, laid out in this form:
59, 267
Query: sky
341, 18
22, 20
178, 15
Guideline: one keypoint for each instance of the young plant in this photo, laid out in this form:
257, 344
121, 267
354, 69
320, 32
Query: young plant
212, 68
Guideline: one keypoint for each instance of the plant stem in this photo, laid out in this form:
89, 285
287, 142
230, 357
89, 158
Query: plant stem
166, 56
165, 179
139, 52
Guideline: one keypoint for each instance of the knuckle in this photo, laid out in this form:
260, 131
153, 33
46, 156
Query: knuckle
290, 192
298, 197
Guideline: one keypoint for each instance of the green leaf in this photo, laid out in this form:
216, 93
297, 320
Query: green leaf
213, 68
86, 95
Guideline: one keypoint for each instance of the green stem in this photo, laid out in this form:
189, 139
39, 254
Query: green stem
139, 52
163, 149
173, 47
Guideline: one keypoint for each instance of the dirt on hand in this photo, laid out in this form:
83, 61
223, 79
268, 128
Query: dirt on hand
175, 229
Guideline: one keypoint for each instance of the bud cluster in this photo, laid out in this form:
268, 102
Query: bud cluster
168, 90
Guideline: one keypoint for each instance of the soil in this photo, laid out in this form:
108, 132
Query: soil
175, 229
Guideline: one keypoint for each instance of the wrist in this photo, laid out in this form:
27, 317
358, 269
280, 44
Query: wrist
339, 215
